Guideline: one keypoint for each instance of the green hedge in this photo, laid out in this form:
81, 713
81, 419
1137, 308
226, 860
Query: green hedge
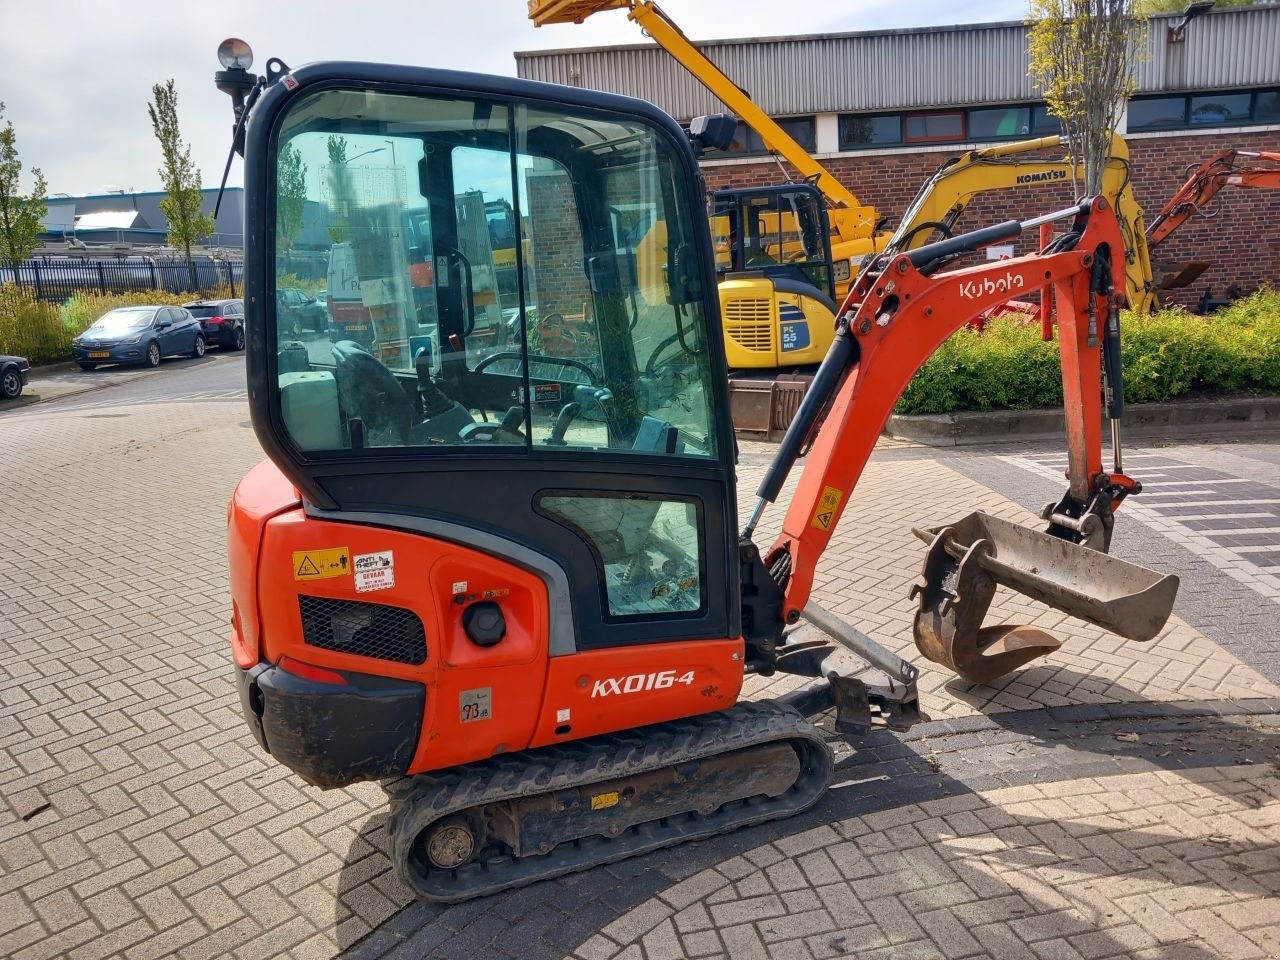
42, 332
1166, 355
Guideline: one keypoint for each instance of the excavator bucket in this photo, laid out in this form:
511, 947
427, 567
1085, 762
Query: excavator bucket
968, 559
542, 12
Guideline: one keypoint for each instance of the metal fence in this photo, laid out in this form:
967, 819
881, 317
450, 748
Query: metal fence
57, 278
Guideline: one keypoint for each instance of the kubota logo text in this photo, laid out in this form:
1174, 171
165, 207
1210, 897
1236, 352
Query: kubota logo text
972, 289
638, 682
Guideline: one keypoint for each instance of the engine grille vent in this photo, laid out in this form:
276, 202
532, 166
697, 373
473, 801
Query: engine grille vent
749, 323
365, 629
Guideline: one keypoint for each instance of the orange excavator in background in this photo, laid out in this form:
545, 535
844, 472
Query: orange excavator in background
507, 579
1227, 168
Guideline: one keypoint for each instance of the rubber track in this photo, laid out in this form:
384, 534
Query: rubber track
418, 801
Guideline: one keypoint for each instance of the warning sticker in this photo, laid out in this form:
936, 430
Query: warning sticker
321, 564
603, 801
374, 571
826, 511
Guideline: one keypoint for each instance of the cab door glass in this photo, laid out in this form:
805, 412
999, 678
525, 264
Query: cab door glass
612, 296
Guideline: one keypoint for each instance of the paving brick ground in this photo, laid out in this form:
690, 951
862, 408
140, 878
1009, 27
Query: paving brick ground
1118, 800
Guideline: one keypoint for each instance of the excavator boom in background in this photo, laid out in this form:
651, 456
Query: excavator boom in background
501, 571
778, 296
944, 197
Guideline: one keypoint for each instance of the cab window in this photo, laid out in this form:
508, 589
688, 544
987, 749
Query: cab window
504, 278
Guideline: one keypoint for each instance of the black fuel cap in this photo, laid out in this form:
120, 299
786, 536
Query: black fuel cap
484, 623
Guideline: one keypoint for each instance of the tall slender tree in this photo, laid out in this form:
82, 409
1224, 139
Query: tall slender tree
20, 213
291, 195
1081, 53
184, 203
339, 184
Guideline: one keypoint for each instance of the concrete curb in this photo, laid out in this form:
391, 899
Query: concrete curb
1145, 419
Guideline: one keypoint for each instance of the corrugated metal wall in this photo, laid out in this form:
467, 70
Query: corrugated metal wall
910, 68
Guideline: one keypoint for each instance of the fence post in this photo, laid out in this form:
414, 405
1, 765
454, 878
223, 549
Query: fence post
102, 278
35, 269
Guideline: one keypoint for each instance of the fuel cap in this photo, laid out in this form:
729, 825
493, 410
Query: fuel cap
484, 623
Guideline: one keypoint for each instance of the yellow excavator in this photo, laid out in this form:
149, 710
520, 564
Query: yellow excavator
786, 253
943, 198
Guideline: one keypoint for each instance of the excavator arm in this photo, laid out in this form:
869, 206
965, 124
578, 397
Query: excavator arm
850, 219
890, 323
944, 197
1223, 169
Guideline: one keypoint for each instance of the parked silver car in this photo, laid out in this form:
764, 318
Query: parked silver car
141, 334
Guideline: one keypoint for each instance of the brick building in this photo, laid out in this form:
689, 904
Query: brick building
882, 110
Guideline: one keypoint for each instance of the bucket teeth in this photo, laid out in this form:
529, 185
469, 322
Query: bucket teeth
965, 562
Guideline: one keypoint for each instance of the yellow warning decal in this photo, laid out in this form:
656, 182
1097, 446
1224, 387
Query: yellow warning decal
827, 503
602, 801
321, 564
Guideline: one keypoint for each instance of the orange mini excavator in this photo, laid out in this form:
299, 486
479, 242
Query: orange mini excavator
503, 573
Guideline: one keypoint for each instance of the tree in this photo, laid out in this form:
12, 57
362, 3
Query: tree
184, 205
339, 177
291, 195
20, 214
1080, 55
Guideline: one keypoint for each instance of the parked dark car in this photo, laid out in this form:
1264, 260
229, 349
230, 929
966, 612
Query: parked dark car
13, 376
296, 312
222, 322
141, 334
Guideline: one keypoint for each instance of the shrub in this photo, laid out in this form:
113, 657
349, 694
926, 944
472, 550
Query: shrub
1166, 355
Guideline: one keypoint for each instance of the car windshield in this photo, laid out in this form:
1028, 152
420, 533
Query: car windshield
119, 321
204, 311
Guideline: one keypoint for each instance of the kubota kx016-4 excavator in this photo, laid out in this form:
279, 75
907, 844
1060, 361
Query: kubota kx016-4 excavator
508, 580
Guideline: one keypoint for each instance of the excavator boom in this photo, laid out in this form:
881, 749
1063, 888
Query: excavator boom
892, 320
850, 219
1223, 169
944, 197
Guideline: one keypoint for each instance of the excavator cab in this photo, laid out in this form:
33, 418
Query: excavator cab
773, 259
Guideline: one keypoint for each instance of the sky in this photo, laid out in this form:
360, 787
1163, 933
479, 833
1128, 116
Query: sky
77, 74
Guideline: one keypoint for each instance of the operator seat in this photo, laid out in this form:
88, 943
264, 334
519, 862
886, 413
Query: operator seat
369, 392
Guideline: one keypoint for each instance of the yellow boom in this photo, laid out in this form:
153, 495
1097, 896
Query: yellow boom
853, 223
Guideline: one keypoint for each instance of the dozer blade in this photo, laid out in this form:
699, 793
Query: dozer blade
967, 559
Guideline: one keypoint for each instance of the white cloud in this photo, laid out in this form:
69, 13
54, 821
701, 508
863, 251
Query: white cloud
78, 94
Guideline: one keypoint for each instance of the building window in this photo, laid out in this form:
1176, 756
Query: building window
860, 130
1220, 110
934, 127
999, 123
746, 142
1268, 106
1044, 124
1157, 113
1226, 109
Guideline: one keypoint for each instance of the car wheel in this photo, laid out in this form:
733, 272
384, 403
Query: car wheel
86, 366
238, 343
153, 354
198, 350
10, 384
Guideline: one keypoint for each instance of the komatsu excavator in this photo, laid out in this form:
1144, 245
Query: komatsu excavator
778, 303
944, 197
507, 580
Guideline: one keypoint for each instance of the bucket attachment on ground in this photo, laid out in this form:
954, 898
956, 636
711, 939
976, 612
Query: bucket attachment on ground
967, 559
